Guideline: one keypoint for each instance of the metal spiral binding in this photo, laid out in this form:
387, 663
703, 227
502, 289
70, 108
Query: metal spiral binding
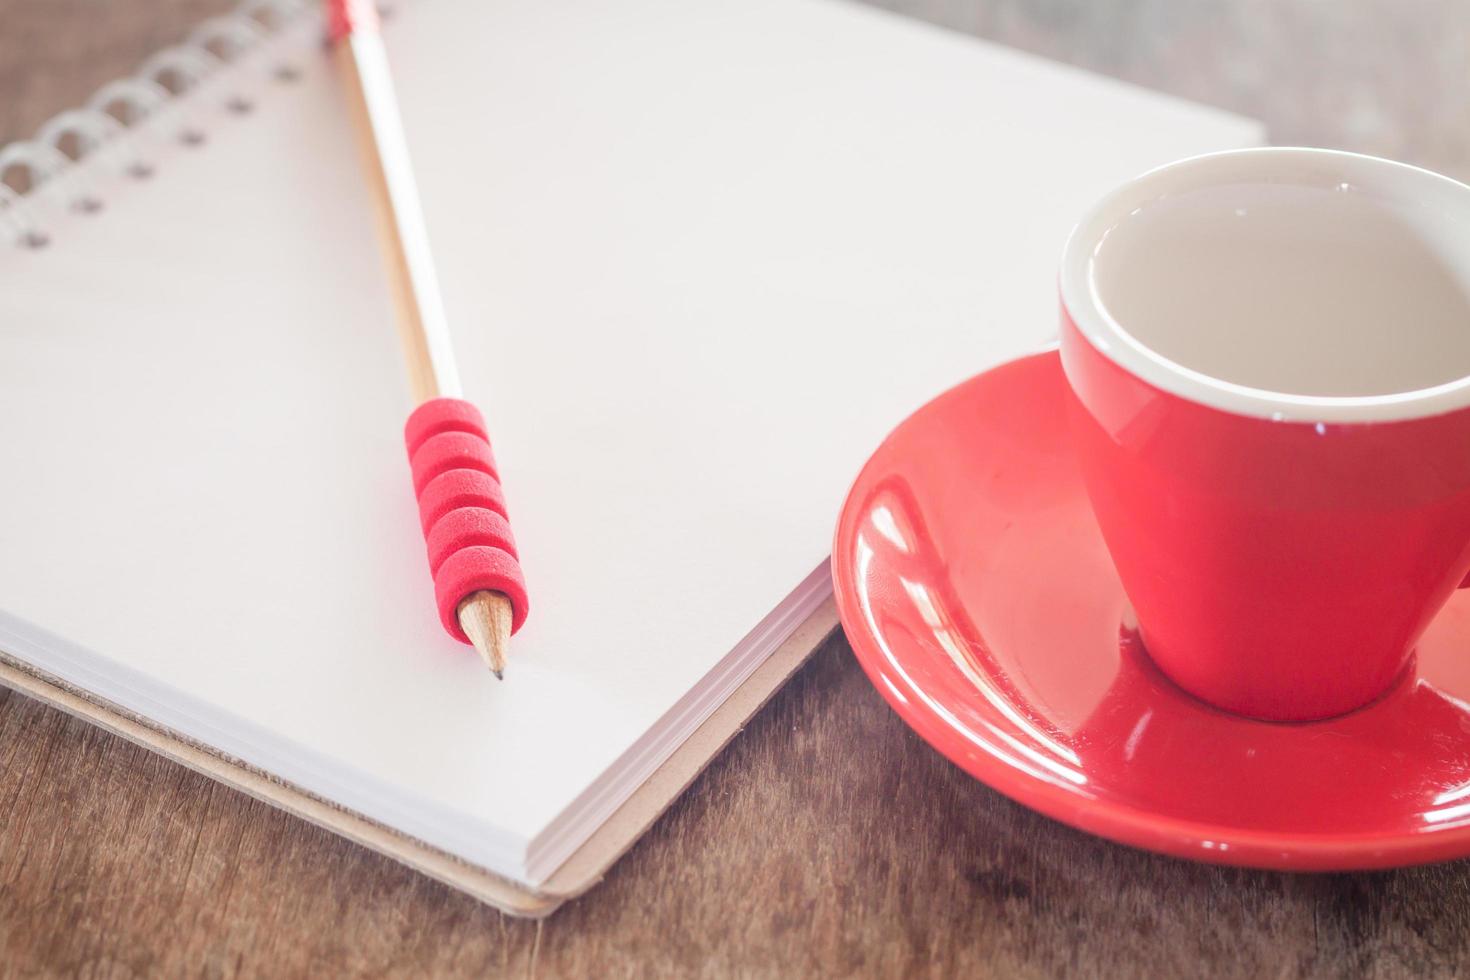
102, 134
137, 98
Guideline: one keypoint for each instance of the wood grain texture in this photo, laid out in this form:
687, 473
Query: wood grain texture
828, 839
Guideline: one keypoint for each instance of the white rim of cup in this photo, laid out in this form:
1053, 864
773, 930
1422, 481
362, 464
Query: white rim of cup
1407, 184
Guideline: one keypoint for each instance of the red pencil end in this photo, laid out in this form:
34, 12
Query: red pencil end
348, 17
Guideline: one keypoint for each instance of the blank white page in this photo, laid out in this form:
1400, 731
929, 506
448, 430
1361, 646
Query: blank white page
698, 257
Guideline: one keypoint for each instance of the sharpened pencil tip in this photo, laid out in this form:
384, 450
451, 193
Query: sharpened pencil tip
485, 618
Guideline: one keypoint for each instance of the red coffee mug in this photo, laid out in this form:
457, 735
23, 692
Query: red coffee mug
1283, 549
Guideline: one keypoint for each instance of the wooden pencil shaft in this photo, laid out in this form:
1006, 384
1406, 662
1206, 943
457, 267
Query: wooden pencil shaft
363, 64
422, 327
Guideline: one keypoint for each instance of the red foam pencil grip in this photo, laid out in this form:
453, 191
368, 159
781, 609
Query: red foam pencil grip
462, 510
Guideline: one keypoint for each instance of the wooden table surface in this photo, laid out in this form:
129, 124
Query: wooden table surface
827, 839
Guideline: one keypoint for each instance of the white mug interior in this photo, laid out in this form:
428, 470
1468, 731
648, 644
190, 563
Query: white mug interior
1286, 283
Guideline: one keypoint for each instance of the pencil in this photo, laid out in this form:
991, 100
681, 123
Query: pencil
472, 557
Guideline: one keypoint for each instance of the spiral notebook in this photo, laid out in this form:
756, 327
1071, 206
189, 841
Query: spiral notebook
698, 257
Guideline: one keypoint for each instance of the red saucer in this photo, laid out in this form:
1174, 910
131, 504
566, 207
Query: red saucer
978, 596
